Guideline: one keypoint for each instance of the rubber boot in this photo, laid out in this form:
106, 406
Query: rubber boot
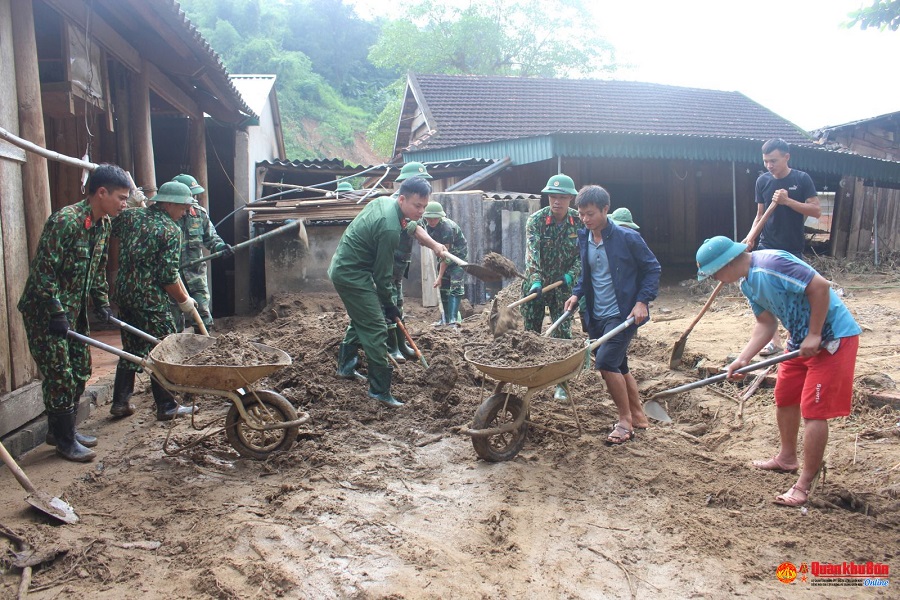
123, 388
348, 358
393, 350
88, 441
453, 310
380, 386
62, 426
560, 393
166, 406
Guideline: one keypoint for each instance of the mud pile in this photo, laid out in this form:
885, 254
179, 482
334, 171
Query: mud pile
500, 264
524, 349
233, 349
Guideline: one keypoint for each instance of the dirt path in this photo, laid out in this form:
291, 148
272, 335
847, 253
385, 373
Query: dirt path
378, 503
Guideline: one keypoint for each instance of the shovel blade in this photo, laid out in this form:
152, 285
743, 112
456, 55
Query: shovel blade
482, 273
655, 411
677, 352
52, 506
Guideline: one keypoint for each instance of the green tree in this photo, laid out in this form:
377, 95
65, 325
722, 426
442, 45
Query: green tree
527, 38
882, 14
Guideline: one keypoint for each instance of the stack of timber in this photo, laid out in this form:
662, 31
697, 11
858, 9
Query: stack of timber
331, 207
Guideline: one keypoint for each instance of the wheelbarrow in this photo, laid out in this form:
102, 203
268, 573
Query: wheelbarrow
501, 422
258, 423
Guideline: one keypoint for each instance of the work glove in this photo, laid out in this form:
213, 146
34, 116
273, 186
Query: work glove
536, 289
104, 313
58, 324
568, 280
188, 306
228, 250
391, 312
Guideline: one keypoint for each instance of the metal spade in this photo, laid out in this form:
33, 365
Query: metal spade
44, 502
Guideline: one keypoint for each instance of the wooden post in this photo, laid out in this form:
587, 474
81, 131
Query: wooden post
36, 182
121, 77
198, 157
144, 167
14, 350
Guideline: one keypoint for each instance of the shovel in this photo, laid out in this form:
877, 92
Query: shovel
482, 273
44, 502
301, 233
678, 349
501, 320
412, 343
557, 323
722, 376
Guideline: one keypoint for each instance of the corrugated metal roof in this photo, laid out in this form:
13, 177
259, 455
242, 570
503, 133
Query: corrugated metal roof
336, 164
254, 89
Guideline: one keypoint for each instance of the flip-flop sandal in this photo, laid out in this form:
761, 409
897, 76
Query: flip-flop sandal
616, 439
789, 499
772, 465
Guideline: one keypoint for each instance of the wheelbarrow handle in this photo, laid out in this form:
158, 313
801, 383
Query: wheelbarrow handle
531, 297
722, 376
111, 349
557, 323
134, 330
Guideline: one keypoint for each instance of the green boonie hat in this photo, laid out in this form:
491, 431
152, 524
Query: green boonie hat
560, 184
174, 192
622, 216
345, 186
189, 181
413, 169
434, 210
715, 253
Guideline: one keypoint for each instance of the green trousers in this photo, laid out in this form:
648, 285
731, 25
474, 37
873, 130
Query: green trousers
367, 327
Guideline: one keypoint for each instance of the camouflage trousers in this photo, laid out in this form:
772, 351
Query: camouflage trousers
533, 312
157, 323
454, 281
197, 287
64, 364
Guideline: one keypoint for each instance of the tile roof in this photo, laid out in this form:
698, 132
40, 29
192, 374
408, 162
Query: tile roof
469, 109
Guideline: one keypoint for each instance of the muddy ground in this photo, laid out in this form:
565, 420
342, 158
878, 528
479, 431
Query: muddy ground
379, 503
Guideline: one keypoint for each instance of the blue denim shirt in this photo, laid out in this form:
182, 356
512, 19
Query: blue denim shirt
634, 269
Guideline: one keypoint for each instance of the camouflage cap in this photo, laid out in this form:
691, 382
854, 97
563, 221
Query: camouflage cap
189, 181
413, 169
174, 192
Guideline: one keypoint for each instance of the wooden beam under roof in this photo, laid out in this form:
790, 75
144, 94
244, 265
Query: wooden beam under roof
102, 31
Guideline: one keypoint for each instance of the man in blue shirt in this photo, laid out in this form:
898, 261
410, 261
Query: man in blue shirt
619, 278
818, 384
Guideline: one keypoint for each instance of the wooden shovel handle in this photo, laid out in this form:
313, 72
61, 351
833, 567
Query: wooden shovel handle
408, 337
17, 471
455, 259
531, 297
757, 229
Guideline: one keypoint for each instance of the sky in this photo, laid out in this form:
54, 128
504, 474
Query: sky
792, 57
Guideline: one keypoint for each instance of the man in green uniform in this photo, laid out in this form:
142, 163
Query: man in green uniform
451, 277
397, 346
197, 232
69, 267
551, 255
149, 242
361, 271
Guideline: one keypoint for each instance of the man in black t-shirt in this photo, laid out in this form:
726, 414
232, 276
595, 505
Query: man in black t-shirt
795, 194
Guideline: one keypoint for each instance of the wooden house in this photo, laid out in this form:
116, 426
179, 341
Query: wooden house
684, 160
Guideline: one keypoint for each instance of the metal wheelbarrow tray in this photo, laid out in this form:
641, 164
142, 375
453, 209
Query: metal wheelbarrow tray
501, 422
258, 422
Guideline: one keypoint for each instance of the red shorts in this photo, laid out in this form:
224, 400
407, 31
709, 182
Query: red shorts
822, 384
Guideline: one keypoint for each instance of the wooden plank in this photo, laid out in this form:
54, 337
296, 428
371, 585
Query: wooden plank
21, 368
35, 181
102, 32
171, 93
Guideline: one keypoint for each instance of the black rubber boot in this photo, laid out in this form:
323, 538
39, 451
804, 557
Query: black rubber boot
392, 345
380, 386
348, 358
88, 441
62, 426
123, 388
166, 406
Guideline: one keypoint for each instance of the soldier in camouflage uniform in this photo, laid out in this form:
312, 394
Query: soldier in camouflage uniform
397, 346
451, 277
197, 232
361, 270
69, 267
149, 241
552, 255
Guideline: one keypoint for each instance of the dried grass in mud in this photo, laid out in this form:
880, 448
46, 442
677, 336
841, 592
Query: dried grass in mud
380, 503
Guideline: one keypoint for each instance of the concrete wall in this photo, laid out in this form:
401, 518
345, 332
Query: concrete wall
290, 267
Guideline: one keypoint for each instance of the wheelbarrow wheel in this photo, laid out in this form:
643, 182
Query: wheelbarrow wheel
503, 446
264, 407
